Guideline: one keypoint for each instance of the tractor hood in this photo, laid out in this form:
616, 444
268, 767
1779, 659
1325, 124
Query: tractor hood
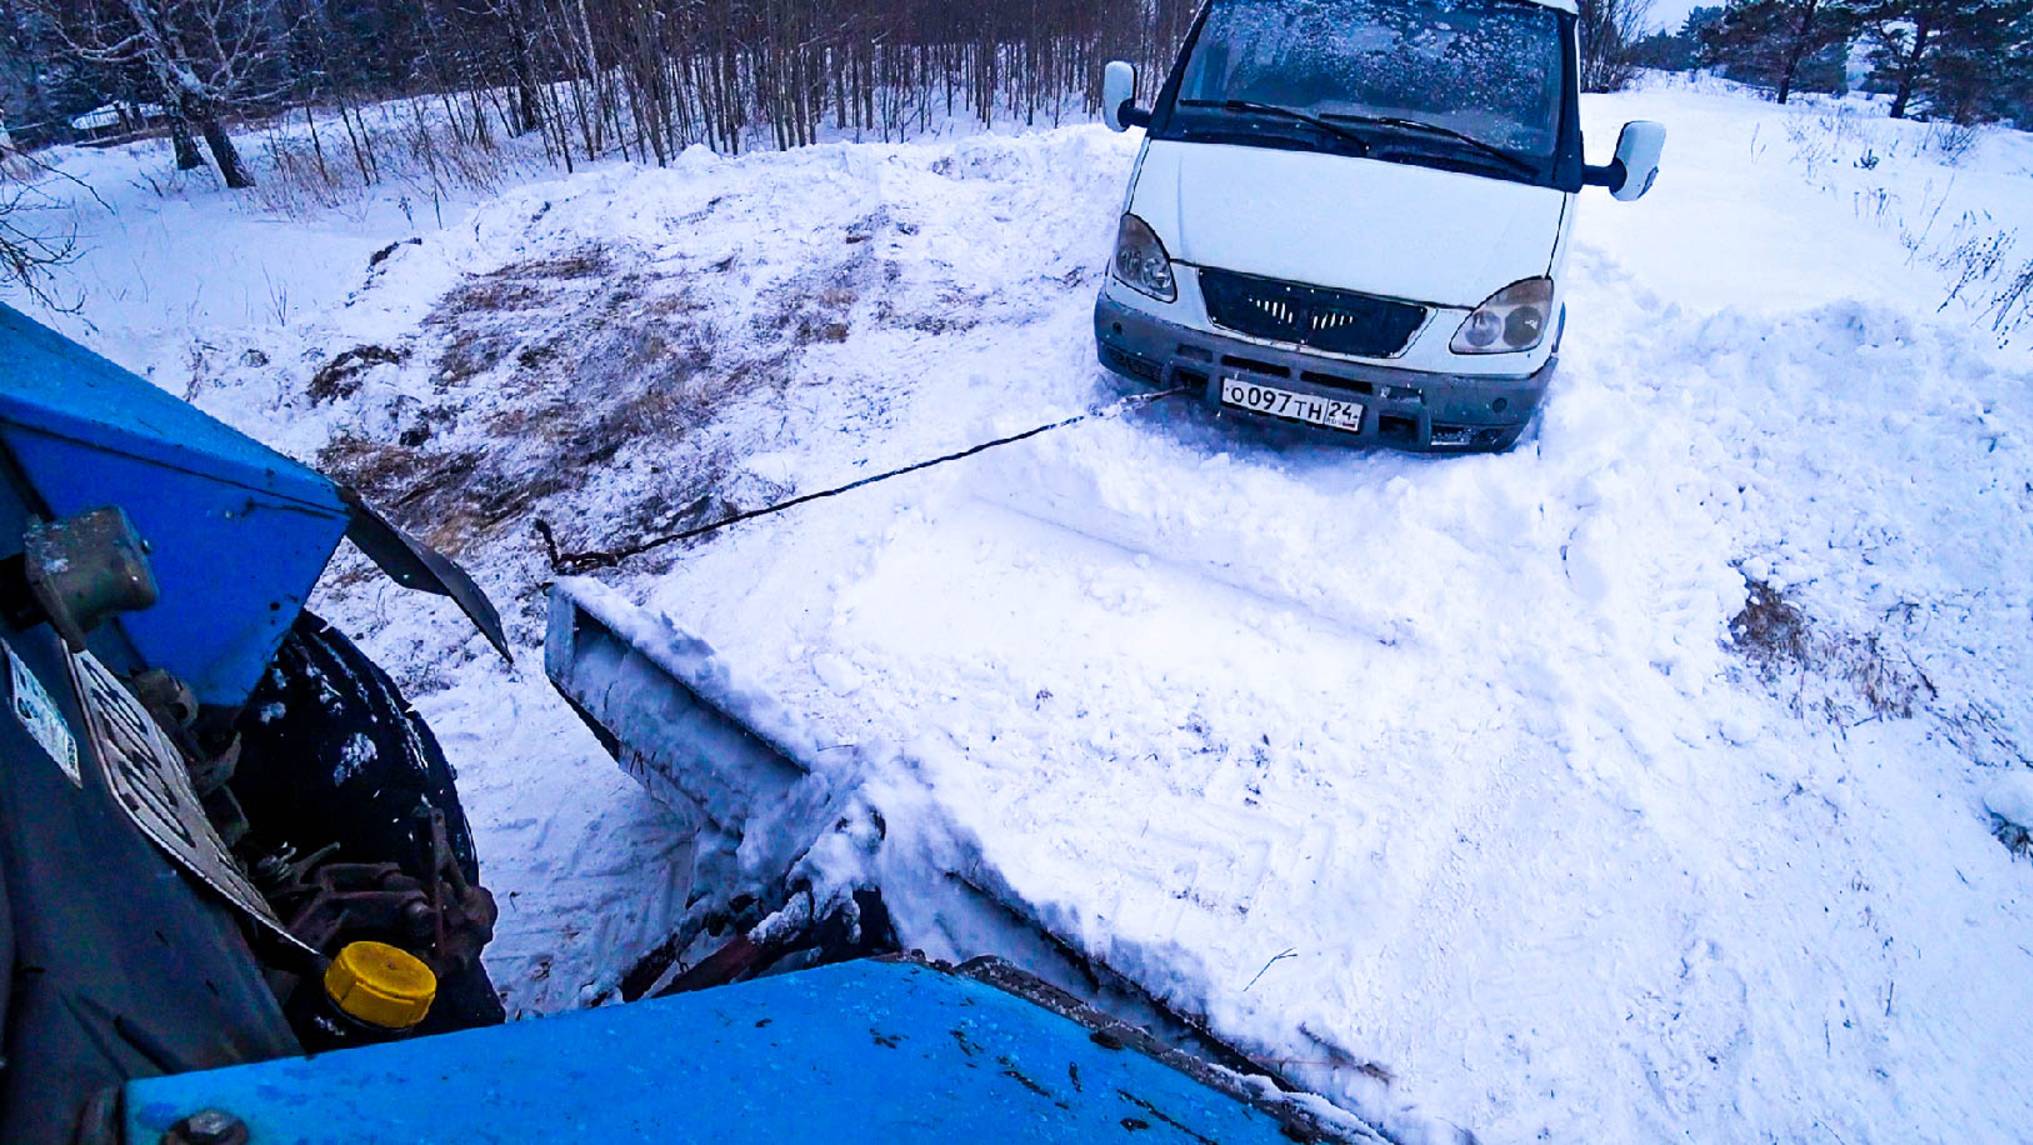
237, 533
1389, 229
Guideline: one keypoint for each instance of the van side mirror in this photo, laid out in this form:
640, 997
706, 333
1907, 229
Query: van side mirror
1636, 166
1118, 98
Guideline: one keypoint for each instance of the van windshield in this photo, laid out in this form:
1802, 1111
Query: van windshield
1491, 71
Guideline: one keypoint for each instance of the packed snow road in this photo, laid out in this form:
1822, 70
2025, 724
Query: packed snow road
1625, 787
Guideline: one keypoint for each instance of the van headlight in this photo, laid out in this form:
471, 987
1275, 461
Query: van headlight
1141, 262
1513, 320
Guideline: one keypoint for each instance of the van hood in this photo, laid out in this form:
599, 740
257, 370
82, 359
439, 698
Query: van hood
1389, 229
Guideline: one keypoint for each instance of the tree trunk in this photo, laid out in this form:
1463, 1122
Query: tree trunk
187, 157
1797, 48
224, 153
317, 145
363, 145
1909, 71
529, 108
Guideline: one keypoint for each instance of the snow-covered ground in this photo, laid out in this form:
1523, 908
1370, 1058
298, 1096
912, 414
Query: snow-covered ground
1630, 786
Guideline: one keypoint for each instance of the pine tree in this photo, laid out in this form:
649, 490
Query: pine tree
1953, 56
1767, 42
1981, 61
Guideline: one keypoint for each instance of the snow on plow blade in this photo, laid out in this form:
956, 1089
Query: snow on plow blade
664, 710
795, 863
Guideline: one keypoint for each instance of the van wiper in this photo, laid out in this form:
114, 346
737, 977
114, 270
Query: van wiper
1247, 105
1488, 149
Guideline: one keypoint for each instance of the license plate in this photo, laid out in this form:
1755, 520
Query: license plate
1257, 398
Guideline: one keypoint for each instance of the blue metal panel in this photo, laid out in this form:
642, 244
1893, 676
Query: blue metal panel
239, 532
863, 1051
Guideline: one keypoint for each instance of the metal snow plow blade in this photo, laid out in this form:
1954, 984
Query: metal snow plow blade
795, 862
663, 709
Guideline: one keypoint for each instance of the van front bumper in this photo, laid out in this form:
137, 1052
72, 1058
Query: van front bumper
1403, 409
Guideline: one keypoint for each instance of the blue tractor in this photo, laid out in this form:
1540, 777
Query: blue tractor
226, 841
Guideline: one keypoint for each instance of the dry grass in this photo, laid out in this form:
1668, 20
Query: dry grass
554, 372
588, 388
2015, 837
408, 145
340, 378
1818, 669
817, 306
1846, 679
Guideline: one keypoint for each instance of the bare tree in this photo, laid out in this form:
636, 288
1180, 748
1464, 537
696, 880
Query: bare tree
1610, 30
202, 56
35, 238
643, 79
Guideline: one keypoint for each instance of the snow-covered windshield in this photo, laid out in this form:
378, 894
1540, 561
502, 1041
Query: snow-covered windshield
1488, 69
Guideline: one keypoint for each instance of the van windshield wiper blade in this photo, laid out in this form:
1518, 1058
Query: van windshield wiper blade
1489, 149
1248, 105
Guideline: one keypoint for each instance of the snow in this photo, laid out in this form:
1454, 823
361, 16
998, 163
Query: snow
111, 114
1629, 786
2011, 799
356, 753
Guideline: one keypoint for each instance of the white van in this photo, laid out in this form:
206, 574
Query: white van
1353, 214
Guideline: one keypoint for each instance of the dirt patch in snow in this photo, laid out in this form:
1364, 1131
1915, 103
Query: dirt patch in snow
340, 378
1817, 669
591, 389
2016, 839
611, 390
1825, 672
548, 371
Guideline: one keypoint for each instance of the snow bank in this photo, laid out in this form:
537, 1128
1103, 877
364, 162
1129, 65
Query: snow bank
2011, 799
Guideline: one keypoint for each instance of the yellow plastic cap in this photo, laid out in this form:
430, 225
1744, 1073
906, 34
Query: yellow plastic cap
381, 985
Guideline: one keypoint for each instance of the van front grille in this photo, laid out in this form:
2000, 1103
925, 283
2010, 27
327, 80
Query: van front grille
1337, 321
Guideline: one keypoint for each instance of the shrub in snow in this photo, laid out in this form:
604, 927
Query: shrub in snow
2011, 806
1786, 647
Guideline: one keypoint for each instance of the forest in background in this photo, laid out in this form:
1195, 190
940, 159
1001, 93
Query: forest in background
639, 78
1966, 62
644, 79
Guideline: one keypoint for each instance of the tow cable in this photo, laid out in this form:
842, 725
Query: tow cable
575, 563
